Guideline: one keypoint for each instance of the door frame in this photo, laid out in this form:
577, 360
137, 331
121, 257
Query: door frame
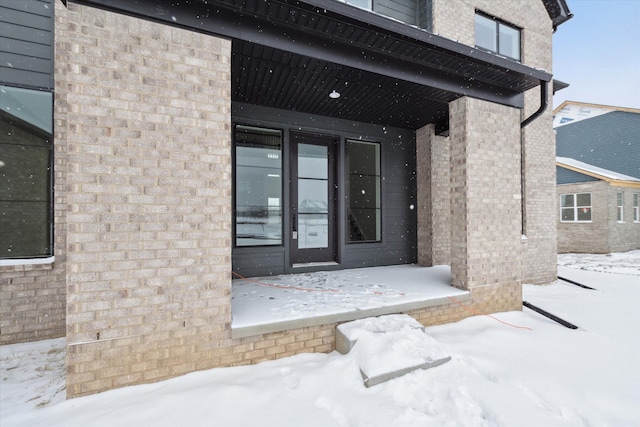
299, 257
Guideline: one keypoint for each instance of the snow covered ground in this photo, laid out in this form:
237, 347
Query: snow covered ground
498, 376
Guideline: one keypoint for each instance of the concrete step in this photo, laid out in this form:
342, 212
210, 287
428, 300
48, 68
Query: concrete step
389, 346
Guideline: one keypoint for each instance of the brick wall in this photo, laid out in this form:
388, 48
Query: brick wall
434, 213
454, 19
485, 194
604, 234
625, 235
585, 237
149, 198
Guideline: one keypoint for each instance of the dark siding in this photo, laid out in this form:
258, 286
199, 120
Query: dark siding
398, 192
610, 141
567, 176
402, 10
425, 17
26, 43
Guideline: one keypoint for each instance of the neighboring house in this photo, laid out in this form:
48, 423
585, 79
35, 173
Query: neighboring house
598, 176
150, 148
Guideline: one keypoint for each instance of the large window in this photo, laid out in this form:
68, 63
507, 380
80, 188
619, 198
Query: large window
26, 167
575, 207
258, 195
620, 206
363, 199
636, 207
496, 36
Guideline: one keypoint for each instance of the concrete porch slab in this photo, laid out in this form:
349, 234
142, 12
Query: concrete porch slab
279, 303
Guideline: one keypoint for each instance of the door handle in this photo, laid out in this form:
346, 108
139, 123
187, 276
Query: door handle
294, 218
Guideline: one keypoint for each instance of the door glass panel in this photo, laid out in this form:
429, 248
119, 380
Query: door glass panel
313, 199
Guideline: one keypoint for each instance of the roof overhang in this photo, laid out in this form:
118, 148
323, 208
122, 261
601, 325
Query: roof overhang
291, 54
611, 177
558, 12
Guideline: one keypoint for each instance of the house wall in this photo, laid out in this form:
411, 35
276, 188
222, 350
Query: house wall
32, 296
398, 193
454, 19
586, 237
623, 236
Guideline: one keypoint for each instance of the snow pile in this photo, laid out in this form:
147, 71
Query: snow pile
498, 375
389, 346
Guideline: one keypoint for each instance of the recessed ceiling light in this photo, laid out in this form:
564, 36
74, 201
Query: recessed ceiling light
334, 94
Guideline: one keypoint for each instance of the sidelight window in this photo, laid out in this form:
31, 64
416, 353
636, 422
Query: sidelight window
363, 199
258, 186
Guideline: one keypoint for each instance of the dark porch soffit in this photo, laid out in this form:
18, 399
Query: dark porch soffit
290, 54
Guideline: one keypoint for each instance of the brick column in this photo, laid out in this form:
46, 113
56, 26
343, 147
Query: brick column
149, 197
485, 194
434, 212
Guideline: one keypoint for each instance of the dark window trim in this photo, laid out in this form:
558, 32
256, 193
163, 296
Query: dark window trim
499, 22
348, 192
50, 137
234, 181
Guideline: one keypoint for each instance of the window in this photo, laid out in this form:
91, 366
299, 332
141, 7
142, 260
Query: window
620, 206
636, 207
364, 4
258, 186
498, 37
363, 198
575, 207
26, 170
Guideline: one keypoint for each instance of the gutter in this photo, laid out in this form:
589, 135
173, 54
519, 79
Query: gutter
544, 88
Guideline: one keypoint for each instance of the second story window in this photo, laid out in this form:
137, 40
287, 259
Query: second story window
365, 4
497, 36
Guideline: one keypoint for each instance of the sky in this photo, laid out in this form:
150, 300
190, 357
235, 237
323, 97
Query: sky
598, 53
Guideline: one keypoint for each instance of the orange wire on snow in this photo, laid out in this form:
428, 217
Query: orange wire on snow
472, 311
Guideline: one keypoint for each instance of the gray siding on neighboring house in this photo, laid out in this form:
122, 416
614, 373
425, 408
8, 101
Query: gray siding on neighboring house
567, 176
610, 141
26, 43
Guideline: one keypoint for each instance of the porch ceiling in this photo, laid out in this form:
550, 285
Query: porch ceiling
290, 54
274, 78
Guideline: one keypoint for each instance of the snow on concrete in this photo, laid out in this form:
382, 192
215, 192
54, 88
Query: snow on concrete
498, 375
296, 296
389, 346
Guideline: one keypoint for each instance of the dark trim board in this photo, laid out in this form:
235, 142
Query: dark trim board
398, 194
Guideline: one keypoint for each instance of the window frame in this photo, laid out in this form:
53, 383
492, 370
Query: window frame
575, 208
499, 23
636, 207
235, 187
348, 198
47, 141
620, 207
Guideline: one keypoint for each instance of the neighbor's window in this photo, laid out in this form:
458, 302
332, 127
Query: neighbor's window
496, 36
363, 191
636, 207
26, 166
575, 207
258, 186
620, 206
